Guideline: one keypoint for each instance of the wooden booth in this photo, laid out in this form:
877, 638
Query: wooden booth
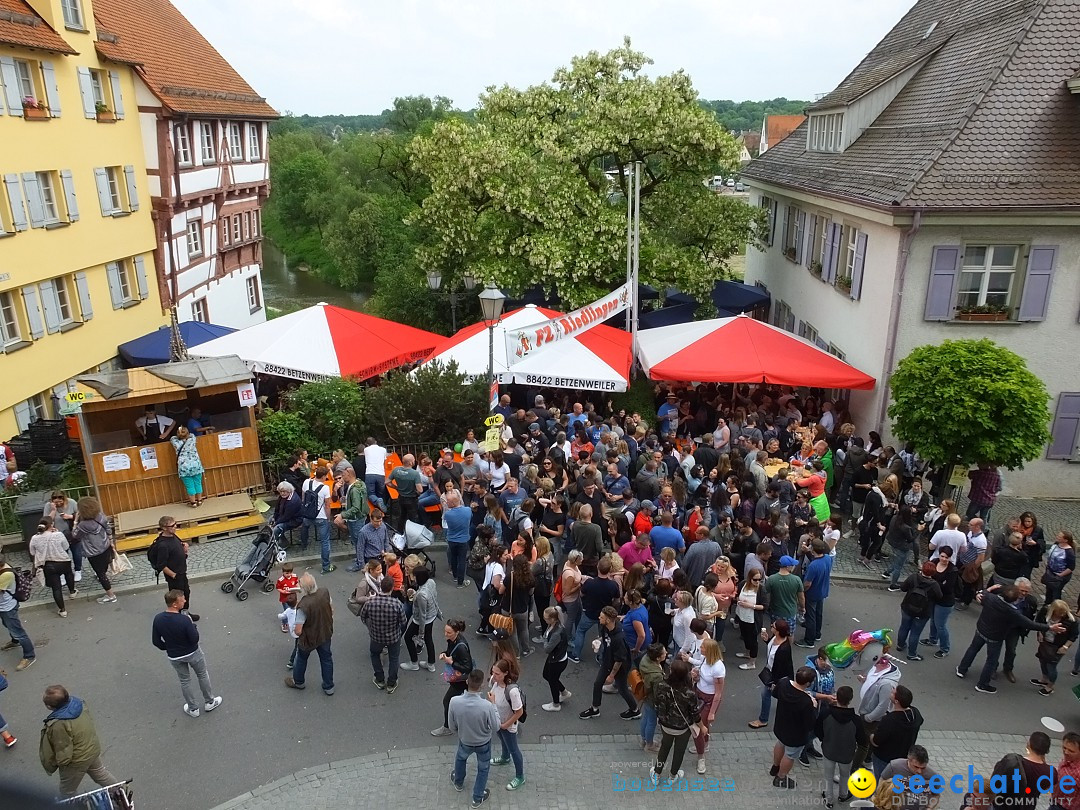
137, 481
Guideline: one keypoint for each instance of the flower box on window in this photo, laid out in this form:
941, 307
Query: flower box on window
985, 312
103, 114
816, 269
843, 283
790, 253
34, 110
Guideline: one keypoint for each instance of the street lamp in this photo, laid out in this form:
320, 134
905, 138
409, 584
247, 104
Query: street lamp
491, 307
434, 282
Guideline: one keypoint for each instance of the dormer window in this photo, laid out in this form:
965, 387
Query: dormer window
826, 132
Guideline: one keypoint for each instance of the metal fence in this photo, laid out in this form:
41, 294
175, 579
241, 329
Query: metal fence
10, 523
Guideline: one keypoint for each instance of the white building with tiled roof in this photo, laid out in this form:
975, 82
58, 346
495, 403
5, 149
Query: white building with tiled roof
206, 132
934, 195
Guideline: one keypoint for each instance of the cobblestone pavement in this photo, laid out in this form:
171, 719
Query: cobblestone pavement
579, 771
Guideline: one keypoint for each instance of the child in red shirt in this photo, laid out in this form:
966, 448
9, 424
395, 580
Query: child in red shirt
286, 582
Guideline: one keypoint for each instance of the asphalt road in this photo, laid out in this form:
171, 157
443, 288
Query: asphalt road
264, 731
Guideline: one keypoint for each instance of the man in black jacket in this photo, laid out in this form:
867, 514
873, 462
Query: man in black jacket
178, 636
796, 713
841, 732
997, 618
1028, 605
898, 730
614, 666
172, 556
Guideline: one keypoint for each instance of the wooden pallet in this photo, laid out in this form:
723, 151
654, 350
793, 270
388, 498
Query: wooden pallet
216, 519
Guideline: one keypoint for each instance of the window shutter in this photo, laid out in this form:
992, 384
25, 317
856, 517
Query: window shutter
787, 224
15, 198
140, 276
116, 292
50, 303
808, 254
83, 289
52, 89
941, 291
1065, 432
821, 344
1040, 276
800, 243
11, 85
832, 243
101, 177
33, 314
789, 324
857, 270
34, 199
86, 90
772, 221
133, 193
68, 183
118, 97
22, 415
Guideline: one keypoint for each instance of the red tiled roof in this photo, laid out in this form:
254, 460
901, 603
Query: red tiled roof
21, 26
179, 66
778, 127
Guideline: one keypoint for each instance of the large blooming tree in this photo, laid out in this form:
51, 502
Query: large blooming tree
521, 196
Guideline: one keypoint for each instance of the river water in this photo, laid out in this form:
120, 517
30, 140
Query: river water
288, 290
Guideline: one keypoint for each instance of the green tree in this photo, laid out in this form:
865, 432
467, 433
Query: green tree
281, 434
520, 196
430, 404
970, 401
334, 410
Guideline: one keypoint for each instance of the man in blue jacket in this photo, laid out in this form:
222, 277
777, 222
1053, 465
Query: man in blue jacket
176, 634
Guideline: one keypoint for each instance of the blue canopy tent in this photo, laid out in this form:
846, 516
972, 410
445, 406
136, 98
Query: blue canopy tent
153, 349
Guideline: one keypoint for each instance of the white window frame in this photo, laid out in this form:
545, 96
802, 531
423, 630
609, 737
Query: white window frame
183, 145
237, 234
97, 87
50, 206
236, 142
256, 223
128, 291
245, 220
38, 407
226, 226
65, 308
852, 234
24, 72
116, 195
809, 332
254, 302
822, 238
10, 330
206, 142
826, 132
254, 142
194, 238
835, 352
985, 270
73, 16
200, 311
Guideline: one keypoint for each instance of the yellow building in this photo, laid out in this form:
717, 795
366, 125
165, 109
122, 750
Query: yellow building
76, 235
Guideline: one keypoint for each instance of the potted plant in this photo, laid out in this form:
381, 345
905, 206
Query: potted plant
843, 283
103, 113
34, 110
983, 312
790, 252
816, 269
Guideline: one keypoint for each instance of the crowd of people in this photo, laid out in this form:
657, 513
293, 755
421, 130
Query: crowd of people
725, 506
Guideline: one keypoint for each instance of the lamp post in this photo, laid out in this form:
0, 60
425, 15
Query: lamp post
434, 282
491, 307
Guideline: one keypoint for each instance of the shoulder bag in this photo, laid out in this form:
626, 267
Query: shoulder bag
502, 619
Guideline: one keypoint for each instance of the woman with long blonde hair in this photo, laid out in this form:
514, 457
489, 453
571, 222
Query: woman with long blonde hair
1053, 646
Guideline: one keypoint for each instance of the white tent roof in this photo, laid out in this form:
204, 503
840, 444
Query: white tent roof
571, 363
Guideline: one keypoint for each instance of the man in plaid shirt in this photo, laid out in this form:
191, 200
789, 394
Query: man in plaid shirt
385, 619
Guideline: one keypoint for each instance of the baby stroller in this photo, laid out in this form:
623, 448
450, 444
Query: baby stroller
256, 564
414, 541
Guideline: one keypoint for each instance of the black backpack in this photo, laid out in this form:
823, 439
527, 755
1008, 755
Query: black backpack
524, 703
916, 601
156, 555
309, 504
24, 584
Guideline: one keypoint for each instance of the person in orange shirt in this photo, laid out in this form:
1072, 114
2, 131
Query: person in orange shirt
643, 520
287, 583
393, 570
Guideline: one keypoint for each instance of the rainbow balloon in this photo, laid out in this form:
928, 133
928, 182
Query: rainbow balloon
842, 653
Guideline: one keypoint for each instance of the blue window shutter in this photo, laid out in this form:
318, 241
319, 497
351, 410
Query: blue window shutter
800, 243
857, 270
133, 192
140, 276
101, 179
808, 254
52, 89
789, 324
86, 90
15, 199
773, 206
1065, 432
1040, 276
832, 253
83, 288
787, 225
116, 292
11, 85
118, 98
33, 314
50, 303
944, 275
68, 183
34, 200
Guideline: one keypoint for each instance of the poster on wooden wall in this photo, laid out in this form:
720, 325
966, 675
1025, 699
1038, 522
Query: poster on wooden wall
115, 462
230, 441
148, 457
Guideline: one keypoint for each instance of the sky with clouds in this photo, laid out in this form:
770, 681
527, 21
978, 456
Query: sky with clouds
356, 56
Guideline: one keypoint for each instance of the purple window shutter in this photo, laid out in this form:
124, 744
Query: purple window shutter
789, 324
800, 243
808, 254
1040, 275
829, 259
836, 233
857, 270
941, 291
1066, 428
787, 225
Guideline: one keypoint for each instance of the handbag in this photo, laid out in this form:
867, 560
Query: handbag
971, 573
765, 676
450, 674
637, 685
501, 620
119, 565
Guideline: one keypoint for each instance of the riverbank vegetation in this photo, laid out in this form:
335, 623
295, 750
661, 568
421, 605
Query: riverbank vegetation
526, 190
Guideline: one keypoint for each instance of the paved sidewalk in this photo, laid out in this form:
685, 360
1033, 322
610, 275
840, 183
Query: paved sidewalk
590, 772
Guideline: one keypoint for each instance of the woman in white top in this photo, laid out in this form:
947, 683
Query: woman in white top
684, 614
494, 572
51, 552
496, 471
668, 566
750, 611
831, 534
690, 651
705, 602
506, 695
470, 442
710, 691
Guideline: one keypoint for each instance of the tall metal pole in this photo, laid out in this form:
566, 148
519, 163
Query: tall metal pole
630, 249
636, 266
491, 356
453, 312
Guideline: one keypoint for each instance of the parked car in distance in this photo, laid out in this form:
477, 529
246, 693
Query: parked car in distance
731, 182
739, 186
